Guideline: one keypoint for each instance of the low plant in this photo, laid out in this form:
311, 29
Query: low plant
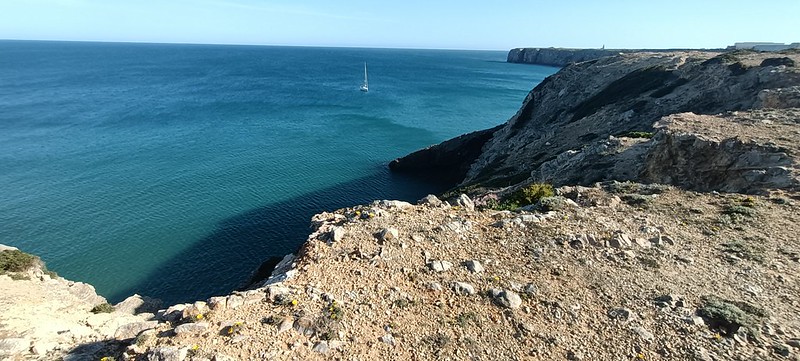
530, 194
554, 203
232, 329
744, 250
103, 308
728, 317
636, 200
16, 261
465, 318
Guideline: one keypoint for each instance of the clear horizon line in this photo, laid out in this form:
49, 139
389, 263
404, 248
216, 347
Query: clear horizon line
246, 44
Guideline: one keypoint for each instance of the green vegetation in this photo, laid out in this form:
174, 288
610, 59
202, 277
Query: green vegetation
548, 204
744, 250
103, 308
530, 194
636, 200
465, 318
728, 317
16, 261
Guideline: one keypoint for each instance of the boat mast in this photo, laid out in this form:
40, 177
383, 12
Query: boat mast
366, 83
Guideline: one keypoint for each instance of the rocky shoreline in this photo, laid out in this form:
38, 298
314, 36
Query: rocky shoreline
565, 56
642, 206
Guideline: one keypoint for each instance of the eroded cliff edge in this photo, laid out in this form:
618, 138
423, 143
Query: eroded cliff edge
571, 126
566, 56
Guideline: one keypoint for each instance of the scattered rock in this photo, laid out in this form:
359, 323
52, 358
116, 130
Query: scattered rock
474, 266
782, 349
643, 333
337, 234
622, 314
234, 301
137, 304
508, 299
388, 338
465, 202
620, 240
217, 303
439, 266
131, 330
430, 200
192, 328
434, 286
462, 288
321, 347
286, 324
168, 353
388, 234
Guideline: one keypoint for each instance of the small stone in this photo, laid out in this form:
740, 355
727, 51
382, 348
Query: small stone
277, 293
192, 328
137, 304
782, 349
430, 200
465, 202
388, 234
667, 240
434, 286
622, 314
131, 330
794, 343
620, 240
335, 344
286, 324
234, 301
337, 234
440, 266
222, 357
321, 347
530, 289
641, 242
695, 321
508, 299
463, 288
304, 326
388, 338
643, 333
217, 303
168, 353
41, 348
474, 266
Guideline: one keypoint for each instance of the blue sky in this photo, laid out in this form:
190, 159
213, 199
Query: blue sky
464, 24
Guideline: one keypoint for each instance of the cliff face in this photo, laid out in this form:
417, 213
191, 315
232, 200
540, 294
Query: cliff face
566, 56
556, 56
575, 111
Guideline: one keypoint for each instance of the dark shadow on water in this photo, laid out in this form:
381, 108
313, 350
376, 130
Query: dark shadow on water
226, 258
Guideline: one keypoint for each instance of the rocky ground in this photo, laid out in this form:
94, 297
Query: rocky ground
619, 271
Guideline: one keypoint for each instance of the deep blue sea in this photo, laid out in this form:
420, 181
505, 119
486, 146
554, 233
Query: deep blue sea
175, 170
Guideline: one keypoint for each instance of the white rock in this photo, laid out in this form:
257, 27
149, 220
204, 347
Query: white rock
508, 299
430, 200
474, 266
131, 330
465, 202
440, 266
286, 324
192, 328
620, 240
168, 353
137, 304
321, 347
337, 234
643, 333
434, 286
388, 338
463, 288
217, 303
388, 234
234, 301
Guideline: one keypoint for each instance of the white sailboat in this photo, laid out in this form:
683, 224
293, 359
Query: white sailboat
365, 86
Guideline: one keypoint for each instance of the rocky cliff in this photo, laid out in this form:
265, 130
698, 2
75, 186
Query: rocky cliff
666, 265
569, 127
566, 56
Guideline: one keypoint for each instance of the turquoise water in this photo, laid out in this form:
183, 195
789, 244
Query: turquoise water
175, 170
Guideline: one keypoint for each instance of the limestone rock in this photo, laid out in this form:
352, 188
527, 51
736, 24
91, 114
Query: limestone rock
430, 200
508, 299
474, 266
439, 266
643, 333
131, 330
337, 234
192, 328
137, 304
168, 353
620, 240
465, 202
321, 347
388, 234
462, 288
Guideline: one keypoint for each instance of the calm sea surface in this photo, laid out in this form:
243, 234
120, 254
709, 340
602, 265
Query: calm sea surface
175, 170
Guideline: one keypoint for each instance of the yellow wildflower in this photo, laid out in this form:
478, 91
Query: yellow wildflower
199, 316
640, 356
195, 347
294, 302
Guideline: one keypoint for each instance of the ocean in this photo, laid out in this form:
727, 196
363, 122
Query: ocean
173, 171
